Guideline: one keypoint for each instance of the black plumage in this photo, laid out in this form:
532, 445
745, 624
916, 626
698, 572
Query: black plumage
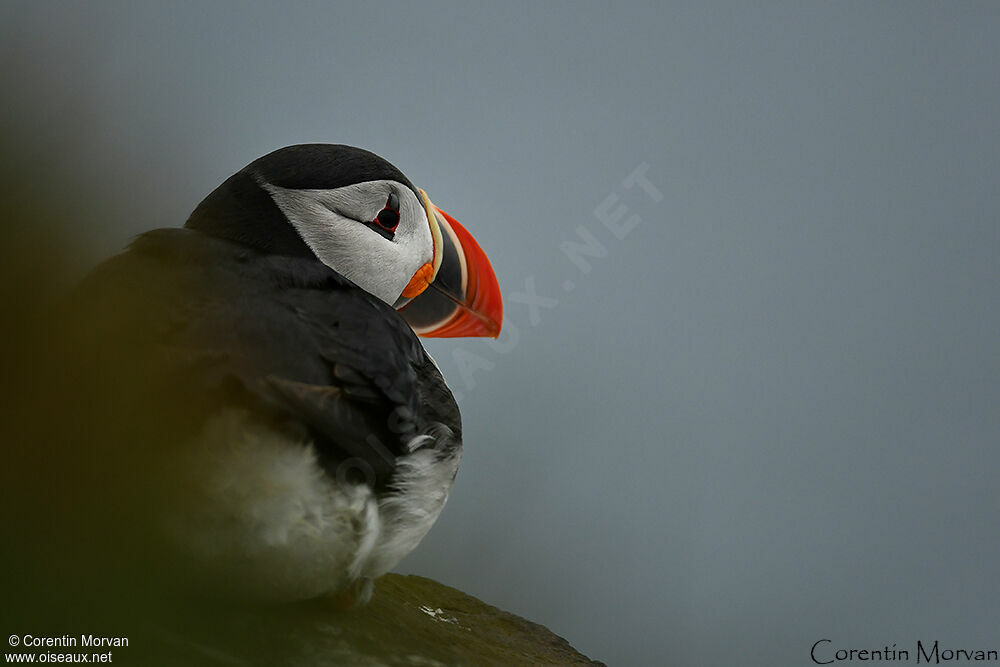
219, 323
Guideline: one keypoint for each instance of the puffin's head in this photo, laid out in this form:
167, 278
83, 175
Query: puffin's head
359, 215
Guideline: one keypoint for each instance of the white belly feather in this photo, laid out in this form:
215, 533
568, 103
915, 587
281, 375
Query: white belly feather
264, 520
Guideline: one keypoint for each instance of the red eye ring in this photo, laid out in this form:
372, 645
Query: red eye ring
387, 220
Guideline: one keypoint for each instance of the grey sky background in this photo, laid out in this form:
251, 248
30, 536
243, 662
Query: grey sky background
769, 415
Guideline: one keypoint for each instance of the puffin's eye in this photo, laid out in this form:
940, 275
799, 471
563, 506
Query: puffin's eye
387, 220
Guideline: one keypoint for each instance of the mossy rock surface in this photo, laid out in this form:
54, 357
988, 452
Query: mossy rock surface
410, 620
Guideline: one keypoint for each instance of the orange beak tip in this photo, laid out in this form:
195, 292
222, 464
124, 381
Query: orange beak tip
483, 307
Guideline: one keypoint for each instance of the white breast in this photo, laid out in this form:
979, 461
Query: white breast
264, 519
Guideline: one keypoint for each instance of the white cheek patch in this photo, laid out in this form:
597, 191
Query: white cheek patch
332, 224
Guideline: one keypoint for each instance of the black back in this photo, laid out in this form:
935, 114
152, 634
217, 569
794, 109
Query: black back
212, 323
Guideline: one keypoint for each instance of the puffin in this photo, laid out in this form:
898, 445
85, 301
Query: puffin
305, 441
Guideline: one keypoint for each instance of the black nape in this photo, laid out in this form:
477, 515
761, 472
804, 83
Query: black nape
325, 167
240, 210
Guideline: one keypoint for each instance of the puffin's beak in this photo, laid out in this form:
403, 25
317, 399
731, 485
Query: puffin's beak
462, 297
